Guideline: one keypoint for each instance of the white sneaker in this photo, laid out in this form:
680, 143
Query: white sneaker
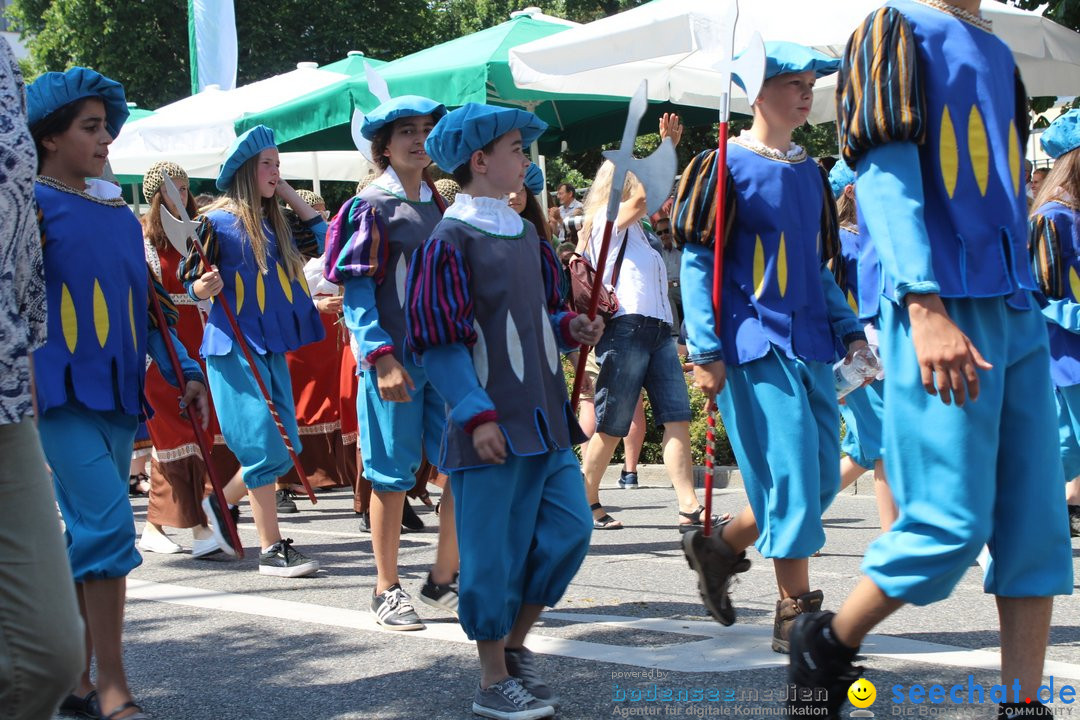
205, 547
156, 542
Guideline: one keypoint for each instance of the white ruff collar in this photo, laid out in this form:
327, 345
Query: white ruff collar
390, 182
793, 154
487, 214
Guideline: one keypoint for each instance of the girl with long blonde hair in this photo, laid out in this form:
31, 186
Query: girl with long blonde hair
256, 263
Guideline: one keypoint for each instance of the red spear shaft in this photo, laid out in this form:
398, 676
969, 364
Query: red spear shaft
196, 427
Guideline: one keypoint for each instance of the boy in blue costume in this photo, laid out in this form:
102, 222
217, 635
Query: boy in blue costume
782, 318
256, 262
935, 135
485, 281
1055, 252
401, 417
91, 373
858, 273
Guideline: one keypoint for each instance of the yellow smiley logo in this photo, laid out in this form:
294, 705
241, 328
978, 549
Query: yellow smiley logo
862, 693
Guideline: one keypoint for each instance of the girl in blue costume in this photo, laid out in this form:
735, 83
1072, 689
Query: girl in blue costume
859, 275
783, 315
935, 136
1055, 252
90, 374
262, 277
401, 417
485, 281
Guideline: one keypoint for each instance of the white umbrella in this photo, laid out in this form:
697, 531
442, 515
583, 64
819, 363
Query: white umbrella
655, 41
196, 132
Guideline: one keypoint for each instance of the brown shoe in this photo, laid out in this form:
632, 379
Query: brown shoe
716, 564
786, 611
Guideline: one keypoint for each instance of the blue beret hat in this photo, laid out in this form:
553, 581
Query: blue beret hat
243, 148
1063, 135
534, 179
788, 57
400, 107
840, 177
54, 90
472, 126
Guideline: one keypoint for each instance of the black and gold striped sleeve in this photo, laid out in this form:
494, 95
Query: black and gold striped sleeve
693, 216
168, 307
304, 237
879, 93
830, 230
192, 268
1044, 246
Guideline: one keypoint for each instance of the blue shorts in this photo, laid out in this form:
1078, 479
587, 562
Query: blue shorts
395, 436
987, 473
862, 411
90, 456
1068, 407
638, 352
246, 423
523, 531
781, 417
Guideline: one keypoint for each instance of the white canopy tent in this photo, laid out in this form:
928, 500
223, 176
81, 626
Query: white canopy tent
655, 42
196, 132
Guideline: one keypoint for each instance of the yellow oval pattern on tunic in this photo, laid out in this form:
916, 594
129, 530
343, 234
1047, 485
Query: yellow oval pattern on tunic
286, 286
101, 315
851, 301
1074, 283
759, 268
1014, 158
69, 321
131, 316
979, 149
260, 292
781, 266
239, 293
950, 162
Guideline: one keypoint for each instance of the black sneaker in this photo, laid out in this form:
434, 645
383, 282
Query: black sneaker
716, 565
410, 521
441, 596
285, 504
509, 700
521, 663
1074, 520
1023, 710
234, 510
365, 522
394, 611
283, 560
215, 519
821, 669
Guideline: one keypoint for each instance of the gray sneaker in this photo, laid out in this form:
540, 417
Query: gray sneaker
508, 700
393, 609
521, 663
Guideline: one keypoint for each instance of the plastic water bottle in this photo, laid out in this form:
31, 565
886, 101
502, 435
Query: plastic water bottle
849, 376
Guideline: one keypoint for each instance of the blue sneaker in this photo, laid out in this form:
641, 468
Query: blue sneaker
628, 480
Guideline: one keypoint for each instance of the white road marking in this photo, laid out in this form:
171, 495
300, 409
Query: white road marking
739, 647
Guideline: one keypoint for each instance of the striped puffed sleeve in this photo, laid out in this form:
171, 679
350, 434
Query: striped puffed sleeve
191, 269
440, 306
1044, 245
552, 274
356, 244
694, 212
879, 93
830, 227
168, 307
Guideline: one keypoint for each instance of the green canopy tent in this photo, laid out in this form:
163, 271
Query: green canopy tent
473, 68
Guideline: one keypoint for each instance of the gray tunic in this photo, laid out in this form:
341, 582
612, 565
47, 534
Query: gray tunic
406, 225
516, 355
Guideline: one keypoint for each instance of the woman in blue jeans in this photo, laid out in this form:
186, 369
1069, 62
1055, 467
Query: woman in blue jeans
637, 350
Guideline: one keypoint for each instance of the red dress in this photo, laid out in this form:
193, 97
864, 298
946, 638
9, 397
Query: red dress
178, 478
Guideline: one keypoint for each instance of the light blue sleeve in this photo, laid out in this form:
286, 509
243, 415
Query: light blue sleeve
696, 284
159, 353
843, 320
889, 190
320, 234
362, 316
450, 370
1064, 313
